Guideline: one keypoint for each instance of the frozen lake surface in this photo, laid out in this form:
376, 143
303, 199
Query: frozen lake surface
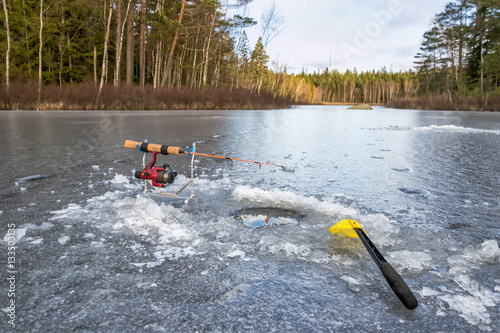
94, 255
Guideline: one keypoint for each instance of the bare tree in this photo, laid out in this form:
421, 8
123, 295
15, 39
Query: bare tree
130, 44
7, 53
272, 25
40, 54
105, 55
142, 45
118, 5
119, 45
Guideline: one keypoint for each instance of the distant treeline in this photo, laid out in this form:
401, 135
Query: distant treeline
353, 87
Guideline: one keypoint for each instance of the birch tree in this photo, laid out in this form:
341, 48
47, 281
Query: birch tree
7, 53
119, 39
130, 44
105, 55
142, 45
40, 48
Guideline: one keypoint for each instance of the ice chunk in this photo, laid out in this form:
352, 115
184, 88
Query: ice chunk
489, 251
411, 261
380, 228
352, 280
289, 249
454, 128
62, 213
236, 253
63, 240
120, 179
146, 217
441, 127
43, 226
18, 233
426, 291
469, 307
95, 167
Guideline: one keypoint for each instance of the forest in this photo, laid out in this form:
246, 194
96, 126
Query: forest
162, 54
157, 49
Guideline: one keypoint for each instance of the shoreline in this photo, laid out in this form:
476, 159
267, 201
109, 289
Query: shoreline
86, 96
448, 103
349, 104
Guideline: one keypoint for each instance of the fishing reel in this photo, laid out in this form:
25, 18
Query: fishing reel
159, 176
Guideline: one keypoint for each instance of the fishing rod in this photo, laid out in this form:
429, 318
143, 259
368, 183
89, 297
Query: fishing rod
160, 175
237, 159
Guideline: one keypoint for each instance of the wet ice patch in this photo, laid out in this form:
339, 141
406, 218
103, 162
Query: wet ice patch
401, 169
414, 191
32, 178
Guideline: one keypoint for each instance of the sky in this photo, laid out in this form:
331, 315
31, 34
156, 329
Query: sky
362, 34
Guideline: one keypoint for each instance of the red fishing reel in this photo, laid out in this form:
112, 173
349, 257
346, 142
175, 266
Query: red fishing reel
159, 176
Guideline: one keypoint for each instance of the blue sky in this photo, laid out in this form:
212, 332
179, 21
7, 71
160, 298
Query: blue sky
366, 34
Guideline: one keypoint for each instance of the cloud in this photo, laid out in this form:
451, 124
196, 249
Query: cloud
358, 33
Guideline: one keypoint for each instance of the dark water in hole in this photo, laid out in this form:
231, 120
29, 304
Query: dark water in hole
94, 255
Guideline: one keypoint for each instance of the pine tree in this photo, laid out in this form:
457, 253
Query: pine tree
258, 62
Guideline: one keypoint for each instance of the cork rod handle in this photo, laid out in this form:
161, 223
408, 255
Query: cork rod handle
153, 148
